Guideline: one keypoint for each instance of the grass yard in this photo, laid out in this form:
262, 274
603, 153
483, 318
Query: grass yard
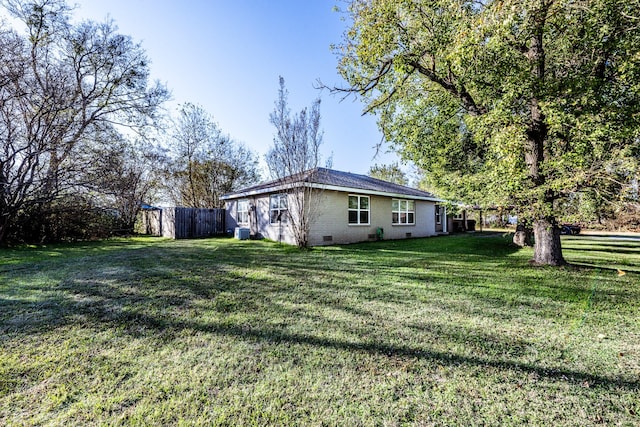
456, 330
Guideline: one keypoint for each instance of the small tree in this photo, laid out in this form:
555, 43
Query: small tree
205, 163
121, 174
296, 151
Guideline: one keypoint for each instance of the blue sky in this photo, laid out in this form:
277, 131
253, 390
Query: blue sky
227, 55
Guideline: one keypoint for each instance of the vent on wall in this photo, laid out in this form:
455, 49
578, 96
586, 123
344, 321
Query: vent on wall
407, 235
327, 238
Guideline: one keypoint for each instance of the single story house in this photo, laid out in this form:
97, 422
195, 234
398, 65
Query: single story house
346, 208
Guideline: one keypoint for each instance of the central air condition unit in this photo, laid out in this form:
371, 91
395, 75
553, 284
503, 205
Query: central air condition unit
241, 233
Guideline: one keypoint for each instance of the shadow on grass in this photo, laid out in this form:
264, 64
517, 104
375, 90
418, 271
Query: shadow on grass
167, 328
606, 249
176, 274
592, 243
418, 353
163, 290
133, 322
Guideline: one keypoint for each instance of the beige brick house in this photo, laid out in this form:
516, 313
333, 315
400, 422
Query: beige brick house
347, 208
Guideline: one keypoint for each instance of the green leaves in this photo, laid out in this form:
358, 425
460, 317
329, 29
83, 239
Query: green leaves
468, 90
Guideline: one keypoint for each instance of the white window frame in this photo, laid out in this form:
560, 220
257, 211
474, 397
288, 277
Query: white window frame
359, 210
404, 209
438, 215
282, 211
243, 212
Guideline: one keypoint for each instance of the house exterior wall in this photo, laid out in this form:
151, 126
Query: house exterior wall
259, 219
330, 223
332, 220
264, 228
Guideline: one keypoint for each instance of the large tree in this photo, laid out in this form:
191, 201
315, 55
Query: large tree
391, 173
59, 83
206, 163
296, 151
513, 102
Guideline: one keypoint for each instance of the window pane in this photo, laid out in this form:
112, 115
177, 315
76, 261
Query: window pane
283, 201
403, 217
364, 203
411, 205
274, 202
403, 205
364, 217
394, 205
394, 217
353, 202
411, 218
274, 216
353, 217
284, 216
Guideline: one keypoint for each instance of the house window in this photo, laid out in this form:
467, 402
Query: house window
359, 210
438, 218
403, 211
278, 211
243, 212
459, 216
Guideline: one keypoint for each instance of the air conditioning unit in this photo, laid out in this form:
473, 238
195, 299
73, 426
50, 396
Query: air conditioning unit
241, 233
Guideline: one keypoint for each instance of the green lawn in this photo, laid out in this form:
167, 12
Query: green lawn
456, 330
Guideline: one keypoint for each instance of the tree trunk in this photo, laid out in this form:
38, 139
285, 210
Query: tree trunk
547, 248
523, 236
4, 225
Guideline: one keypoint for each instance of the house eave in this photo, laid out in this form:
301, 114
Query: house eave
249, 193
373, 192
325, 187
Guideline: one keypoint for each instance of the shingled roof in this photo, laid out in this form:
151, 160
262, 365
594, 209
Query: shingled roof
330, 179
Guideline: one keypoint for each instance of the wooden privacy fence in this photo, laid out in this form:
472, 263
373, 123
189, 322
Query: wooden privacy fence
183, 223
